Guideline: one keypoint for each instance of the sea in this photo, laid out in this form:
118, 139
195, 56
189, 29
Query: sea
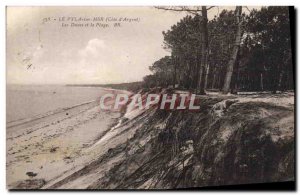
26, 101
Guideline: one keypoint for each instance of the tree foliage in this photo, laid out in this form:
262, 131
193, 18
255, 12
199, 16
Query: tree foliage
263, 61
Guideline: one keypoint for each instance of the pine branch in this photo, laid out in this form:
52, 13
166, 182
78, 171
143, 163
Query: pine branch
179, 9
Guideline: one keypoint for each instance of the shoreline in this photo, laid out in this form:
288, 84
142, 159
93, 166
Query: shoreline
46, 147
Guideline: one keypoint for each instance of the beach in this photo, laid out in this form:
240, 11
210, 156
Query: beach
50, 130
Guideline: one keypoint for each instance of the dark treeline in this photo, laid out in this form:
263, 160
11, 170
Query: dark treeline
232, 52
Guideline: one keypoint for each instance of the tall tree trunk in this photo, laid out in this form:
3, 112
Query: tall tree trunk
204, 49
275, 79
175, 69
282, 74
190, 76
279, 86
187, 74
236, 80
200, 78
206, 76
237, 43
195, 75
261, 82
215, 72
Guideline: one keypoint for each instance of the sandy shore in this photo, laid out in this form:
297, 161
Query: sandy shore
44, 148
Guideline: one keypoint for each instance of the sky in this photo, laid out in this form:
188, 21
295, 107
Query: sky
39, 50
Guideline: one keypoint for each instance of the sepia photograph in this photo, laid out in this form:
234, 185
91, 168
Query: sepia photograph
150, 97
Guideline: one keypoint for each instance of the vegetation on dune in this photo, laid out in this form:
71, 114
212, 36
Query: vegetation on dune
232, 52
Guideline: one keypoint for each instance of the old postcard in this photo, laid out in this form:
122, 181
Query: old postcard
161, 97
